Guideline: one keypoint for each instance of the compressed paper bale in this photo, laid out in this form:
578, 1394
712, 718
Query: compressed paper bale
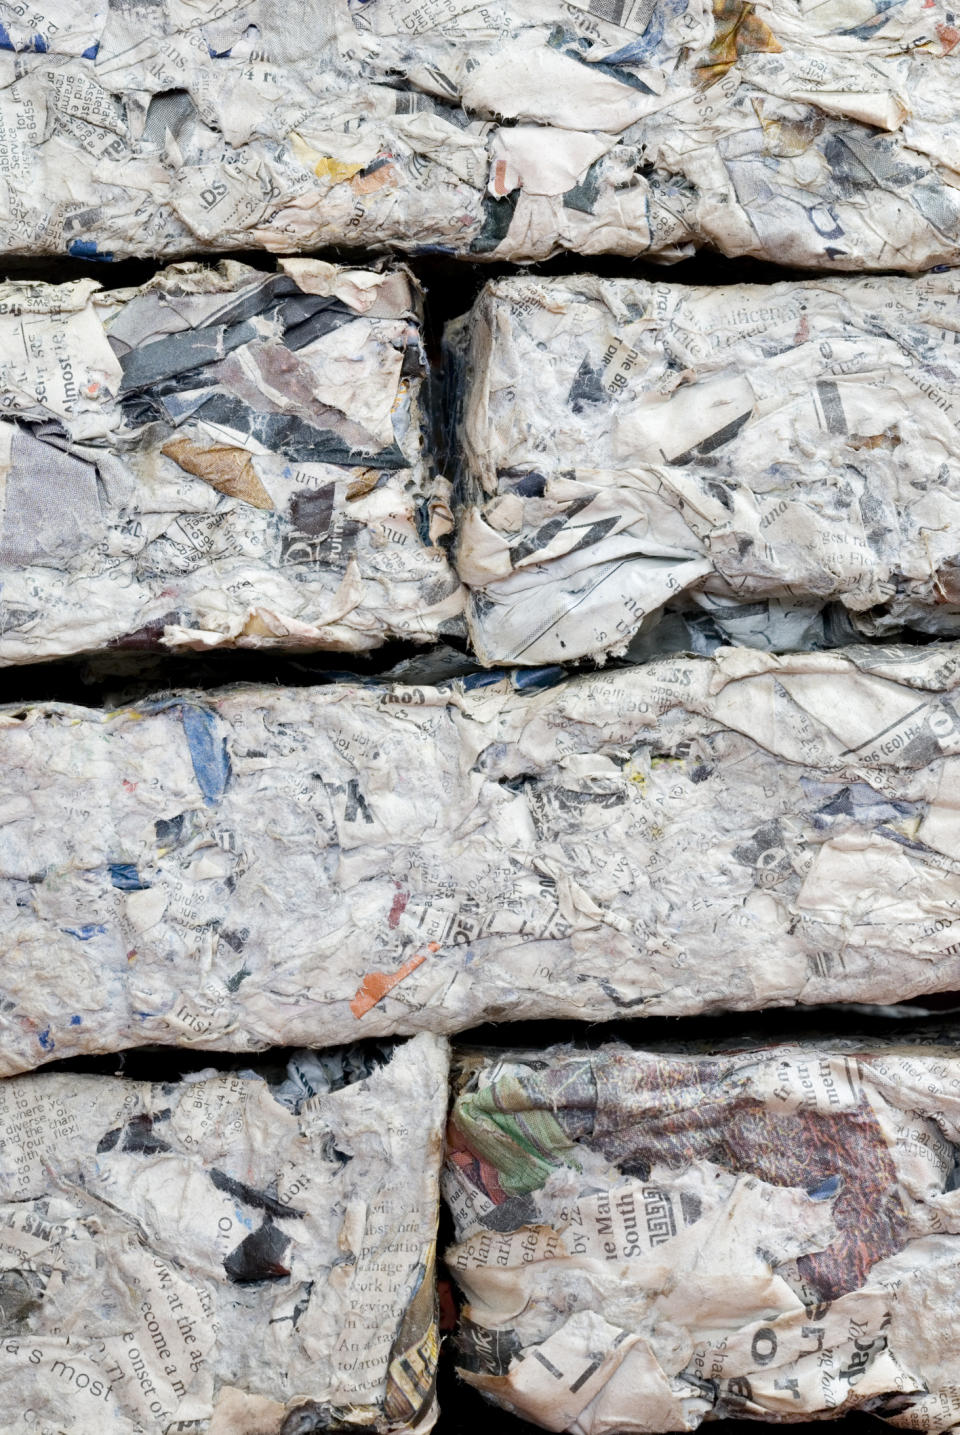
778, 450
220, 457
231, 1253
824, 137
263, 865
647, 1239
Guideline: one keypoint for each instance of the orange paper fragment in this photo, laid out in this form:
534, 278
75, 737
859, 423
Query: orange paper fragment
375, 985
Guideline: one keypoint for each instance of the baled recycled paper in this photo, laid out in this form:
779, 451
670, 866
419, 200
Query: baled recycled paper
771, 452
822, 137
219, 457
229, 1253
263, 866
648, 1239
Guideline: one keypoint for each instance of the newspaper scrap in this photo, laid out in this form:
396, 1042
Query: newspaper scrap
263, 866
649, 1239
826, 137
761, 451
229, 1253
221, 457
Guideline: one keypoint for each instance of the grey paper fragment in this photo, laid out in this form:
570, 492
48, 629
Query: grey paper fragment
824, 136
789, 452
263, 866
226, 1253
222, 457
651, 1239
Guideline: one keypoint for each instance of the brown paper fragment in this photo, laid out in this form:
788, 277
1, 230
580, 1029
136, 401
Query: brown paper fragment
227, 469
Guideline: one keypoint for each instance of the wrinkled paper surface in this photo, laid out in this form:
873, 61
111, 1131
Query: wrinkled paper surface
264, 866
782, 456
220, 457
822, 136
647, 1239
222, 1255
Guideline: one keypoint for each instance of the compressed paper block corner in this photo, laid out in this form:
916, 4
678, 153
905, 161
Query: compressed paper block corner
231, 1251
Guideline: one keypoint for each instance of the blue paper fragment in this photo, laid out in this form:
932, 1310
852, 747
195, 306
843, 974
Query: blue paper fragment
482, 680
84, 933
87, 249
208, 752
37, 44
532, 679
125, 876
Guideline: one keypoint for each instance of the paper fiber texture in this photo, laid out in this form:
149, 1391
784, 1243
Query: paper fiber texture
225, 1254
650, 1239
769, 450
265, 866
826, 136
220, 457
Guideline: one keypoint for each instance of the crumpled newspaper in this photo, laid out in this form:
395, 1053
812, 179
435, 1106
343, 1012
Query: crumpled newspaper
228, 1253
647, 1239
268, 865
822, 137
219, 457
763, 450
